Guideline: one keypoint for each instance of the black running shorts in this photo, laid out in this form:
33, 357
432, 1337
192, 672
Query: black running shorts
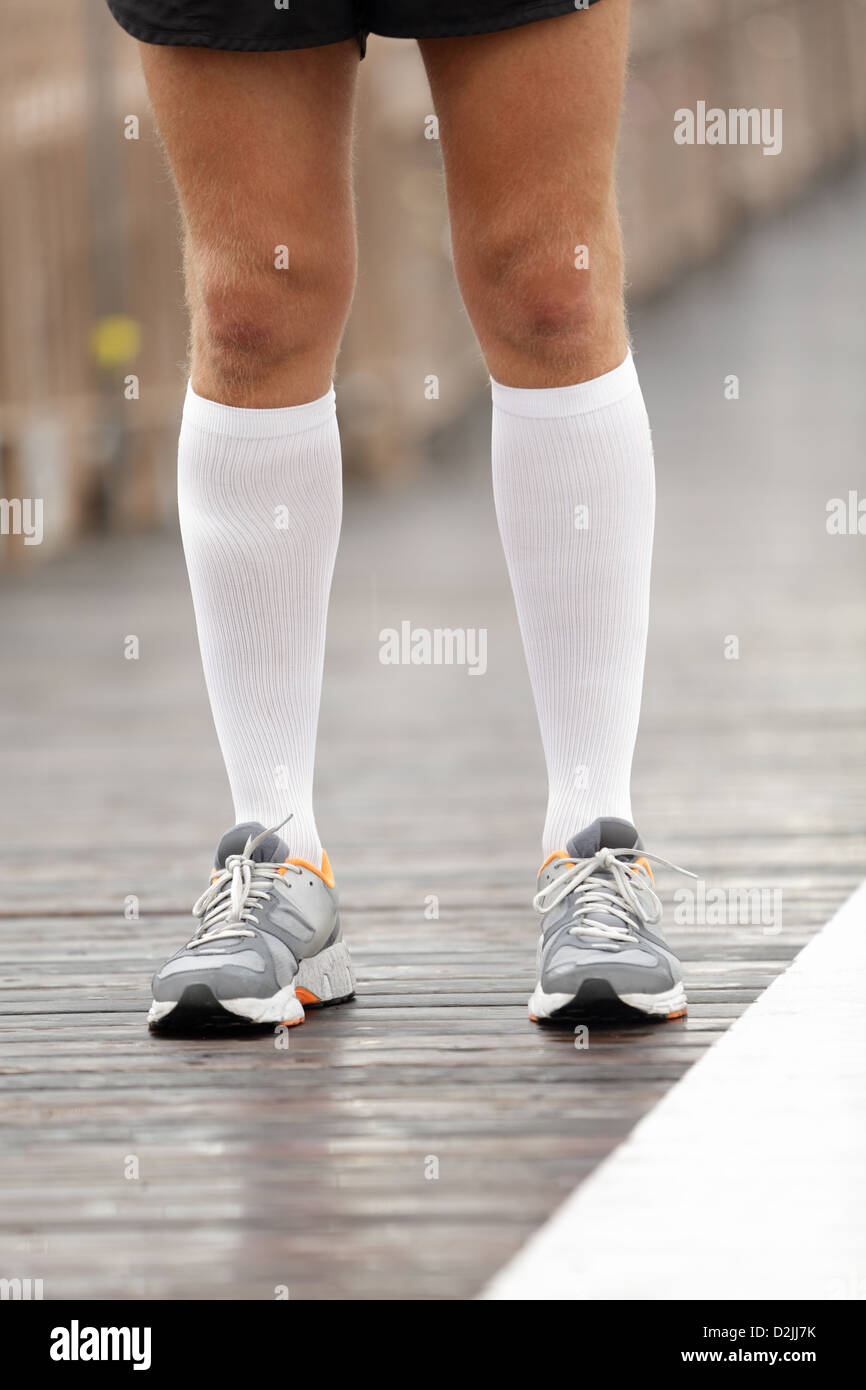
254, 26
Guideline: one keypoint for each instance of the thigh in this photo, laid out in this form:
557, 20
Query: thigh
256, 138
528, 122
260, 148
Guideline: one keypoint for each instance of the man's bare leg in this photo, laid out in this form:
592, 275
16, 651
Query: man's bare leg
528, 121
260, 148
260, 145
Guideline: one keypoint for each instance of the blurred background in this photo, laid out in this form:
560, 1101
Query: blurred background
744, 268
92, 330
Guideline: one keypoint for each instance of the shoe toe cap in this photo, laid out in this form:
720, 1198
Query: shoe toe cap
634, 970
230, 974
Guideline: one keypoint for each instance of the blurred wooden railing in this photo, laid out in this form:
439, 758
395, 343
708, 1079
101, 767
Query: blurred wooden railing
92, 337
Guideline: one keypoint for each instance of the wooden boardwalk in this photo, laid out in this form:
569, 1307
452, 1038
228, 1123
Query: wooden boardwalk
403, 1146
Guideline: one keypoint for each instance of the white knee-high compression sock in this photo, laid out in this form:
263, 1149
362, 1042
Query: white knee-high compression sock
260, 500
575, 499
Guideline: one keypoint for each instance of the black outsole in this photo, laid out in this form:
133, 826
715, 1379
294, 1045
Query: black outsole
597, 1002
198, 1012
326, 1003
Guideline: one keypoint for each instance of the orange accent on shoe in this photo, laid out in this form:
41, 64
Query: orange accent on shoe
557, 854
563, 854
306, 997
678, 1013
533, 1019
644, 865
291, 1022
325, 873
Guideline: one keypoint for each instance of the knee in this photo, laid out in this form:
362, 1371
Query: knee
529, 296
251, 324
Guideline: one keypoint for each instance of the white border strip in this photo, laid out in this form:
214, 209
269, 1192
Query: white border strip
748, 1179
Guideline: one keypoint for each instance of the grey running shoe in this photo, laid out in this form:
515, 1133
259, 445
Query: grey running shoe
598, 954
268, 941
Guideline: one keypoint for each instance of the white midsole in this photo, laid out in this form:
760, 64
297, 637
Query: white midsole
327, 975
543, 1005
282, 1007
160, 1009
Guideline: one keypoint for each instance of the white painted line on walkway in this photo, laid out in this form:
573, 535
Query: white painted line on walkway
748, 1179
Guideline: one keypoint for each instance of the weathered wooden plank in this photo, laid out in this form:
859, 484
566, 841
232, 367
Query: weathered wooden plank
307, 1167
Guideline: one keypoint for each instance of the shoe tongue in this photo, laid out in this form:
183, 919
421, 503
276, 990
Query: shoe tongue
608, 832
605, 833
272, 850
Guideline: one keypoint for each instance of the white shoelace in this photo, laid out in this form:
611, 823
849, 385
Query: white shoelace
604, 883
232, 897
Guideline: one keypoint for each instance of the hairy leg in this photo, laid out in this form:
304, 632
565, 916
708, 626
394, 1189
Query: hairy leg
528, 123
260, 146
